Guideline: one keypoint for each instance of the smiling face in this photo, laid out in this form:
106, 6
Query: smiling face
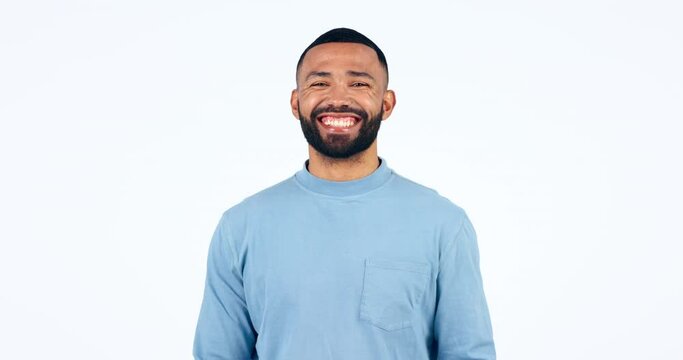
341, 98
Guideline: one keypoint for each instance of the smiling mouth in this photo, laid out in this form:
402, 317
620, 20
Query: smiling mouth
339, 121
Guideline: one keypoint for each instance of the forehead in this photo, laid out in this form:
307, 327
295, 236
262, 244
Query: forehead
342, 57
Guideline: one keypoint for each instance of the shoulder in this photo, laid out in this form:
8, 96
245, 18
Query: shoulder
427, 204
425, 196
259, 203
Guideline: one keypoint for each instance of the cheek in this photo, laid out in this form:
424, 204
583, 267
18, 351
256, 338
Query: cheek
305, 108
374, 99
309, 103
373, 105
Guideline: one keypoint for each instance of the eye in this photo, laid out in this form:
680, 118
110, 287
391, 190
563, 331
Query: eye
359, 84
318, 84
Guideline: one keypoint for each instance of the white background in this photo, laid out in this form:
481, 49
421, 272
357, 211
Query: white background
128, 127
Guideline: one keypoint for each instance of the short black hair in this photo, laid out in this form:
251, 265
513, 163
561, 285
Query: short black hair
346, 35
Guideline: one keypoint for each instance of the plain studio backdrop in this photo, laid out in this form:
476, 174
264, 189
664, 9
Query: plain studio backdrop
128, 127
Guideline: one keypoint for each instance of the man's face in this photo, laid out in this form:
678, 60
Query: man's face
341, 98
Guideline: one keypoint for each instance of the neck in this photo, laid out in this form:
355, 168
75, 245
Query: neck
355, 167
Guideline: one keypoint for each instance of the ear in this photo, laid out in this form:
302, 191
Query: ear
388, 103
294, 103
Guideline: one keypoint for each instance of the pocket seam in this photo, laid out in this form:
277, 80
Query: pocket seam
419, 268
411, 266
399, 269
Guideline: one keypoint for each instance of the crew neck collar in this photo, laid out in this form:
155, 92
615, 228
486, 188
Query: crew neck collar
344, 188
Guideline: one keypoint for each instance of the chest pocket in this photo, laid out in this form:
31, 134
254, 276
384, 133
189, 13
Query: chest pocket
391, 292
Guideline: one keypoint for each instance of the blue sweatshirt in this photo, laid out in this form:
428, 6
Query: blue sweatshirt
374, 268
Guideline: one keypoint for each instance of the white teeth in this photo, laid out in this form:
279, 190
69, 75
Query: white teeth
330, 121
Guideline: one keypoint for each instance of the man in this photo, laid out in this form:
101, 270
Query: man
346, 259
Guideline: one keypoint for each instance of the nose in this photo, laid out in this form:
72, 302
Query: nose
338, 96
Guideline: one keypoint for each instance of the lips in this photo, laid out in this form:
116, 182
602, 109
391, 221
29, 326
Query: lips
339, 121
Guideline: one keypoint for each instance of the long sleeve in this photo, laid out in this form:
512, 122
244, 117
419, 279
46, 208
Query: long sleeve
224, 330
462, 324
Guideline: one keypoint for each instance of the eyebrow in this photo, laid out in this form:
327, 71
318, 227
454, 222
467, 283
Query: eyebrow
349, 73
360, 74
318, 74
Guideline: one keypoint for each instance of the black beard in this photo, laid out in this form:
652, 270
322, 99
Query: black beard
339, 146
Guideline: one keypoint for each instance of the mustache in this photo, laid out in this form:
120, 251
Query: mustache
339, 109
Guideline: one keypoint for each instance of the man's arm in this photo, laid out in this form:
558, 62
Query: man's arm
462, 325
224, 330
